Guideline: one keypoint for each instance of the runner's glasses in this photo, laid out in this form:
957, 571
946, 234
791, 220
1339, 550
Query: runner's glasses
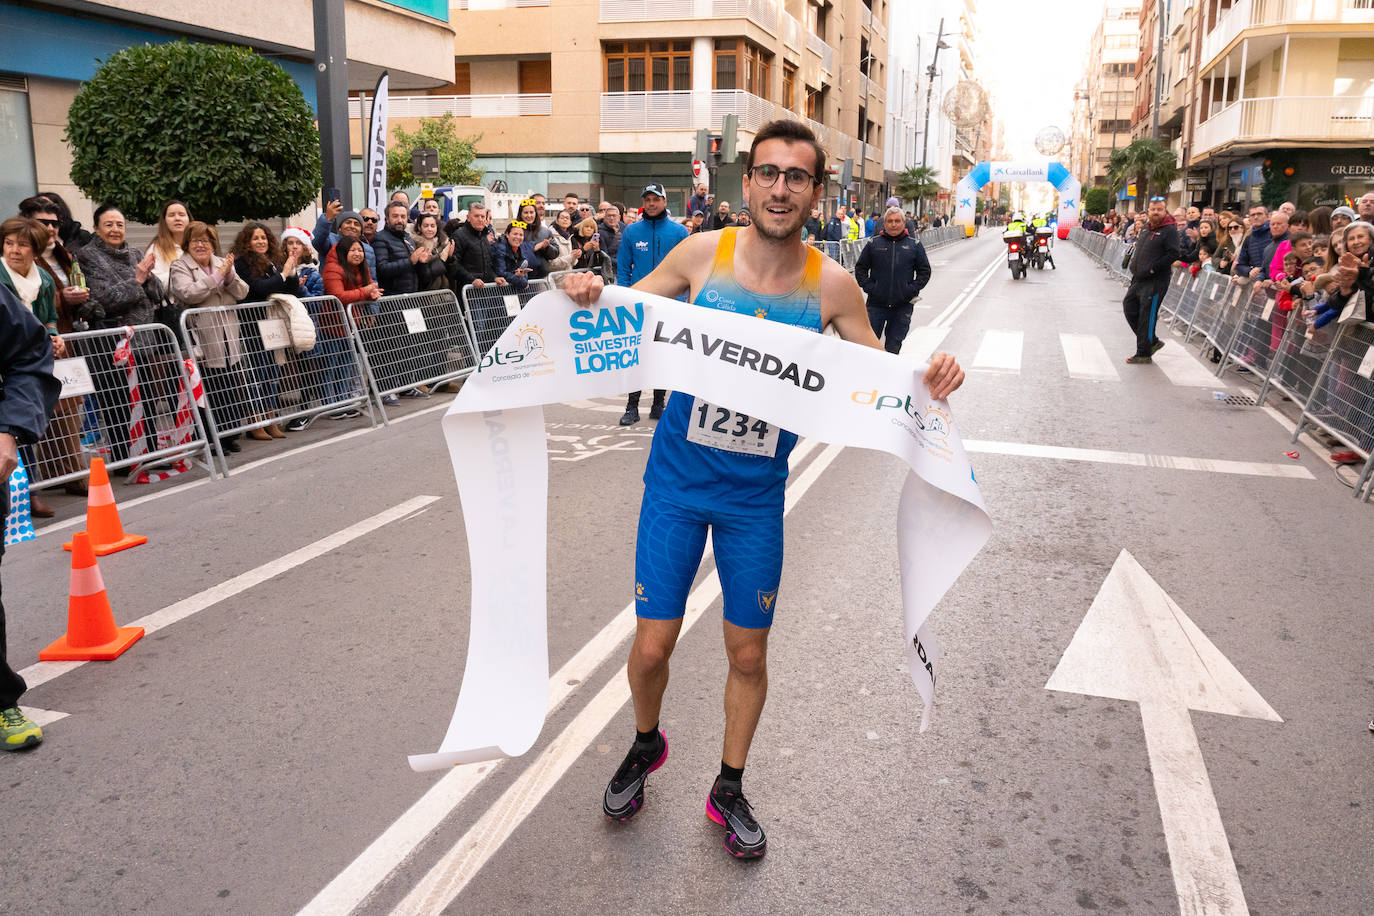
798, 180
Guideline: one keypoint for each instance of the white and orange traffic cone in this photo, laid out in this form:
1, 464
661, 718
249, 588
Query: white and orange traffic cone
102, 516
91, 632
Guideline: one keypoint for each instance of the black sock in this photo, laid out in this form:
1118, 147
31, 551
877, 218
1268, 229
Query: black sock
731, 774
647, 739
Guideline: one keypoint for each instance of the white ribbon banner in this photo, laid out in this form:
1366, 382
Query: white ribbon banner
816, 386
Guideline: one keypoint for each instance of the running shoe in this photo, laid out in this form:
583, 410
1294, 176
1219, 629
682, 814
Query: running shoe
1156, 346
348, 413
298, 424
625, 792
18, 730
727, 806
1139, 360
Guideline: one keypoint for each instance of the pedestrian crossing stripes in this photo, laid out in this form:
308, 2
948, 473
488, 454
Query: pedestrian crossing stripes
1087, 358
1000, 351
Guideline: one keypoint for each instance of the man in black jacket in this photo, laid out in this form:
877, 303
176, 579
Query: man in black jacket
1156, 249
27, 399
471, 261
399, 264
892, 270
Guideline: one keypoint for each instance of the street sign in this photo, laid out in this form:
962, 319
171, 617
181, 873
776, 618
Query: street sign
699, 170
426, 190
424, 163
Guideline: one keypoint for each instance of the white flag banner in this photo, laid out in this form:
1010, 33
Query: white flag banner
376, 147
817, 386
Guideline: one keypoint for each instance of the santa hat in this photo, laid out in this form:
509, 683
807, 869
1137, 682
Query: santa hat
297, 233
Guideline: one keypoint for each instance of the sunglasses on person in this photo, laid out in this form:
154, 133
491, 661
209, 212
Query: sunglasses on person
369, 219
1153, 199
55, 223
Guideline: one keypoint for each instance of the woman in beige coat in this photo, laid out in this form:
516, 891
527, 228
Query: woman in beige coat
201, 279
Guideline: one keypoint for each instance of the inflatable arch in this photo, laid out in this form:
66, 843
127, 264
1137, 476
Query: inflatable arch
987, 172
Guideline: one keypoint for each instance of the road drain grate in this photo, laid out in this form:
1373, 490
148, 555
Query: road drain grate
1238, 400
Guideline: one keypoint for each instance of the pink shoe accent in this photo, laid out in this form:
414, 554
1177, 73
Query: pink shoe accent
713, 813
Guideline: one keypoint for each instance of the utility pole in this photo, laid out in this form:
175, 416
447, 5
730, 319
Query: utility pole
930, 87
331, 97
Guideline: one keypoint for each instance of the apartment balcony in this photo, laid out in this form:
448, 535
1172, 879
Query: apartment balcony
460, 106
793, 33
1256, 123
871, 23
683, 110
763, 13
822, 50
1275, 15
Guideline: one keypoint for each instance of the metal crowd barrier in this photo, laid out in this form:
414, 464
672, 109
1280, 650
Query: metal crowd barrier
127, 397
491, 308
1326, 372
414, 340
256, 374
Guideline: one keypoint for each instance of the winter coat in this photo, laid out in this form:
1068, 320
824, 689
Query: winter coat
30, 392
1364, 281
505, 260
433, 274
116, 297
471, 258
325, 238
350, 293
1156, 250
1251, 251
892, 271
261, 286
564, 261
834, 230
216, 333
45, 304
395, 271
643, 245
312, 284
610, 238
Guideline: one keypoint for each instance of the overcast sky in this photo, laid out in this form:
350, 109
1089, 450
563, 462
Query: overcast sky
1030, 55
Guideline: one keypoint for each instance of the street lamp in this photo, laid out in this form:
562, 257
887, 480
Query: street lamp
930, 87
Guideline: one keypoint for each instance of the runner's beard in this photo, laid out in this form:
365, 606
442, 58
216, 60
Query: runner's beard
764, 225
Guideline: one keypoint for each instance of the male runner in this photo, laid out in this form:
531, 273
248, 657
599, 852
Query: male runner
695, 479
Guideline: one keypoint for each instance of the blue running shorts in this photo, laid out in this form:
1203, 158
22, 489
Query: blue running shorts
748, 554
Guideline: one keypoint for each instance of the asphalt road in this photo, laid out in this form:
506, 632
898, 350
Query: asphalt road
249, 753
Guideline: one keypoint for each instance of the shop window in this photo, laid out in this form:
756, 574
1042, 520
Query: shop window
18, 179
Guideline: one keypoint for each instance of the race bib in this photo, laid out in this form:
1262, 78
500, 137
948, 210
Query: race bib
730, 430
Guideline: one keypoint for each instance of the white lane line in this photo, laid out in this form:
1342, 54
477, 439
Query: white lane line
351, 887
131, 503
446, 880
42, 672
966, 296
1000, 351
1182, 369
1087, 358
1139, 459
922, 343
42, 717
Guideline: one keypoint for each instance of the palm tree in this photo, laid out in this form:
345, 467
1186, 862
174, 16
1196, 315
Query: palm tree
1150, 162
918, 183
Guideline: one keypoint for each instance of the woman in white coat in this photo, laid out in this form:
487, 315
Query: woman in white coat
200, 278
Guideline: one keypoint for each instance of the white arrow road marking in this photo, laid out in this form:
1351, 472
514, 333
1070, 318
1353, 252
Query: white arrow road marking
1137, 644
42, 717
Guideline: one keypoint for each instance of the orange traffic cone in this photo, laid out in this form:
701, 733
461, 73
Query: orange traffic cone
102, 517
91, 632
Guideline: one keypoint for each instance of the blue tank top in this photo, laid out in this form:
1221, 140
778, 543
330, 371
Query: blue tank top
737, 477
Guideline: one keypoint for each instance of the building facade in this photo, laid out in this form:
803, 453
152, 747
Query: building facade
48, 49
1289, 83
600, 97
1106, 97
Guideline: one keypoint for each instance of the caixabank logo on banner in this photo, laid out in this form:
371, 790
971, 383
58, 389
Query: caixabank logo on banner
929, 426
527, 358
606, 339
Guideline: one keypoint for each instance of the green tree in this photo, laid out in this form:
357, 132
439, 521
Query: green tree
918, 183
216, 126
456, 153
1097, 200
1147, 162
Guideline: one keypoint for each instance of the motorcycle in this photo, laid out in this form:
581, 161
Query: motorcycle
1018, 253
1041, 251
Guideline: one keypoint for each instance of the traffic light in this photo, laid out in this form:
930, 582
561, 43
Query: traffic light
703, 144
729, 134
717, 151
846, 173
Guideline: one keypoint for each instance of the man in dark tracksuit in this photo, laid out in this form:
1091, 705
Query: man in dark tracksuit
892, 270
1156, 249
28, 394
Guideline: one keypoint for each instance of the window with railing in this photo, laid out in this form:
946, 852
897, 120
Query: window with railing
815, 103
639, 66
743, 65
816, 17
789, 86
1116, 126
1126, 69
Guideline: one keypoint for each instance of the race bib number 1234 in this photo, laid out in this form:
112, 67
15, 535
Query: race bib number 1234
731, 431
